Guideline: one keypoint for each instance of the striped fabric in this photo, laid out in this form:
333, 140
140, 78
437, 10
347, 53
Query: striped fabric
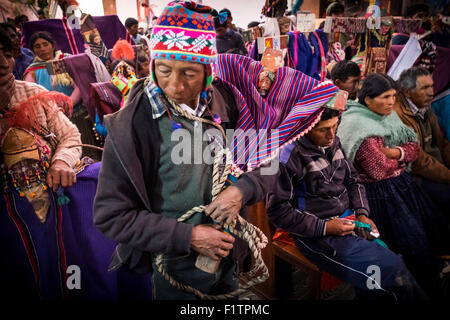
292, 107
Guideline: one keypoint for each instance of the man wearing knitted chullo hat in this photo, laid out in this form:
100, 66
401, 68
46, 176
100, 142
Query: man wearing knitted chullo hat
142, 190
143, 186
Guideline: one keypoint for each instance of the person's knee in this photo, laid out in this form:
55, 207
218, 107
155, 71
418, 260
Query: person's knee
392, 264
397, 275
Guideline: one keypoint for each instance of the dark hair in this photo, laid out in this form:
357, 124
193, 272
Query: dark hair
114, 64
18, 20
252, 24
234, 51
335, 8
408, 78
375, 85
41, 35
143, 59
217, 23
130, 22
345, 69
7, 26
413, 9
328, 114
92, 36
5, 40
227, 11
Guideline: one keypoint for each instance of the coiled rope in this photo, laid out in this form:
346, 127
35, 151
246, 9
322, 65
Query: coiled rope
241, 228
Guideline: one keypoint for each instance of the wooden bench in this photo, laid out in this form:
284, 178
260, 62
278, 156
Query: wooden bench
280, 258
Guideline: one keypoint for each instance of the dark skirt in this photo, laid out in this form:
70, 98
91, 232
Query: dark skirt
407, 219
410, 224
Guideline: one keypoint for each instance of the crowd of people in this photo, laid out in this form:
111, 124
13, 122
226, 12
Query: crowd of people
362, 160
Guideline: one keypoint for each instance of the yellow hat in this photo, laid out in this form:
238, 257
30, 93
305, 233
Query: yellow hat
18, 145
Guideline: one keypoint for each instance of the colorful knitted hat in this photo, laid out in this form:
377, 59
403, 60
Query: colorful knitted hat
185, 31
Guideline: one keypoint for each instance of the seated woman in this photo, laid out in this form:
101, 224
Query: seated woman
382, 149
44, 49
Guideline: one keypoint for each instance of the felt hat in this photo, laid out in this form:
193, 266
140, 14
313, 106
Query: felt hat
18, 145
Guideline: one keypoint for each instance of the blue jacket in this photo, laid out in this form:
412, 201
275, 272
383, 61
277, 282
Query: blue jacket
441, 107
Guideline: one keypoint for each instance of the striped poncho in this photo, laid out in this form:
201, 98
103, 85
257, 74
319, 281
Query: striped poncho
266, 124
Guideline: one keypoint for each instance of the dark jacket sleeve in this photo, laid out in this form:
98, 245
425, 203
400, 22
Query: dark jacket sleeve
256, 184
120, 214
241, 44
283, 214
356, 191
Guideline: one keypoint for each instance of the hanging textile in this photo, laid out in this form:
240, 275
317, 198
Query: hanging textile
274, 8
67, 40
71, 40
359, 25
92, 37
300, 52
429, 55
409, 54
374, 48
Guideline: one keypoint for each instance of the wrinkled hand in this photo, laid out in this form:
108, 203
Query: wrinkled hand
339, 227
391, 153
363, 232
226, 207
209, 241
7, 86
60, 174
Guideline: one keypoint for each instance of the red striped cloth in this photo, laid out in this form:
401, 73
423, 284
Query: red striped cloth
292, 107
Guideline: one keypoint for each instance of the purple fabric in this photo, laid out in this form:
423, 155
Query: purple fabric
304, 56
16, 270
105, 99
254, 52
84, 246
56, 28
109, 27
316, 63
441, 74
82, 71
